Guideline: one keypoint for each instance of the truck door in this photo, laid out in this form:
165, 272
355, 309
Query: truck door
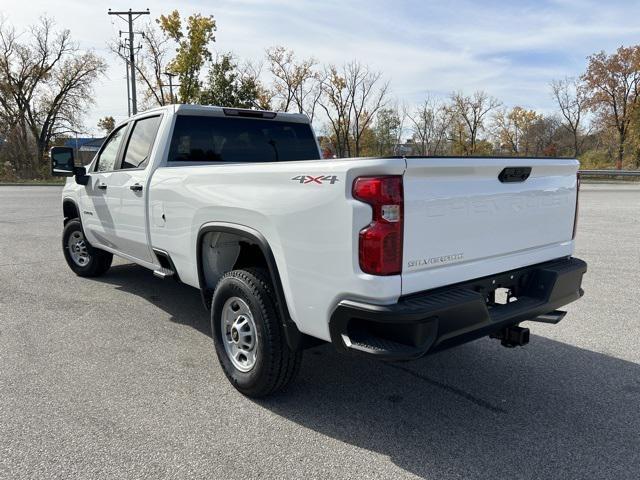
97, 205
127, 187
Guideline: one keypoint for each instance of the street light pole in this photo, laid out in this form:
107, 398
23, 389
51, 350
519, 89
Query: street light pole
171, 75
128, 89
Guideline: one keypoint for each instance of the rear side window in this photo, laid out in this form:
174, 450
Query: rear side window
222, 139
140, 142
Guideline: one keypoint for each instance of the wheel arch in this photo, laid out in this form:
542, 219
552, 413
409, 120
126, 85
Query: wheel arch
292, 334
70, 210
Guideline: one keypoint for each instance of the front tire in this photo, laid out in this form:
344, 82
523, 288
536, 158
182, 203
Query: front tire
248, 334
84, 259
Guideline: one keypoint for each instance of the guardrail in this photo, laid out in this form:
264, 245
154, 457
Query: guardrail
610, 173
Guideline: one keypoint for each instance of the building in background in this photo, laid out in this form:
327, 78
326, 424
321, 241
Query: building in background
84, 148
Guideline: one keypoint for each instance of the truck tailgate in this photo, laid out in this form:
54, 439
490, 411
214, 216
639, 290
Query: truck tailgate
462, 222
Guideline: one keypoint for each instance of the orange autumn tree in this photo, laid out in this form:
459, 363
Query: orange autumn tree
613, 83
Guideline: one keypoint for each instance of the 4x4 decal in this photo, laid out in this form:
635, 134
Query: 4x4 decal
319, 179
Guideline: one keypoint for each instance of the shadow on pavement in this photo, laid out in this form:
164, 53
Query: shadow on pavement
182, 302
549, 410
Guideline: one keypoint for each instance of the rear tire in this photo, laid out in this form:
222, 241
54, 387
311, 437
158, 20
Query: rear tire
84, 259
248, 334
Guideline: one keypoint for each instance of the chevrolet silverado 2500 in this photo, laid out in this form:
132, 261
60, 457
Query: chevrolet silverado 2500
387, 257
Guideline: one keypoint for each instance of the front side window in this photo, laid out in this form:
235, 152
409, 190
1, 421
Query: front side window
140, 142
224, 139
109, 154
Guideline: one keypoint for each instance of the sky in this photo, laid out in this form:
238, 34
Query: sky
511, 49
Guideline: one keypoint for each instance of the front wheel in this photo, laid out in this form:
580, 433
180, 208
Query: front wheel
84, 259
248, 334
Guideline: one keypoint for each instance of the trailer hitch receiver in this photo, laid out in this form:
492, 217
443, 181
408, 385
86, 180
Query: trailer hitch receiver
514, 336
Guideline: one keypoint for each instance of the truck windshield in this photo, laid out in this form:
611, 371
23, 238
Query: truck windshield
223, 139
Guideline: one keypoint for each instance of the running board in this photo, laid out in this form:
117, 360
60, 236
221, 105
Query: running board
166, 268
164, 273
373, 345
551, 317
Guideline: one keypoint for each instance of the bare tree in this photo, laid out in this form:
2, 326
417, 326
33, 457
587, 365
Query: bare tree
351, 97
46, 84
308, 95
368, 94
429, 124
544, 136
151, 65
336, 103
571, 96
471, 112
402, 115
296, 83
251, 72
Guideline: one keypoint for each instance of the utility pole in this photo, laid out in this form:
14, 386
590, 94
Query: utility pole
130, 16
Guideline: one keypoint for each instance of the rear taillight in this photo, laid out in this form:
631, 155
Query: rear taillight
380, 246
575, 218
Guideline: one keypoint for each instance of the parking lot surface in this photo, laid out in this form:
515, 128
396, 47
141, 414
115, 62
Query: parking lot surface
116, 377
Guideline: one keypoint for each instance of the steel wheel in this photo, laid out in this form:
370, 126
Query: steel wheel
248, 334
78, 249
239, 334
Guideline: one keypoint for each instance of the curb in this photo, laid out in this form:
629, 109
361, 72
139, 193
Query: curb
31, 184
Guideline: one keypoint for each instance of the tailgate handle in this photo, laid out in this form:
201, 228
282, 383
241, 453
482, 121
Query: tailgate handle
514, 174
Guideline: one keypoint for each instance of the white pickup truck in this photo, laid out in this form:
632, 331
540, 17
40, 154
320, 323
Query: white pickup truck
388, 257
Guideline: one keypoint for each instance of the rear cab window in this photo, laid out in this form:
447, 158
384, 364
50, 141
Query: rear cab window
141, 142
222, 139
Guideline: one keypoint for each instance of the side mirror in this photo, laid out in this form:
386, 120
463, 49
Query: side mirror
62, 164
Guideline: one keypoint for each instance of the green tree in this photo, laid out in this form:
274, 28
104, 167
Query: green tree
634, 134
228, 86
192, 51
107, 124
387, 131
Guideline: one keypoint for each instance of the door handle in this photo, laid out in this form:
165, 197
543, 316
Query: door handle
136, 187
102, 186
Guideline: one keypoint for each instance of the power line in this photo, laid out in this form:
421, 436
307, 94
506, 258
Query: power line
129, 17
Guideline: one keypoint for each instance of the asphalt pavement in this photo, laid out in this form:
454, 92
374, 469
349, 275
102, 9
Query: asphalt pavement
116, 377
